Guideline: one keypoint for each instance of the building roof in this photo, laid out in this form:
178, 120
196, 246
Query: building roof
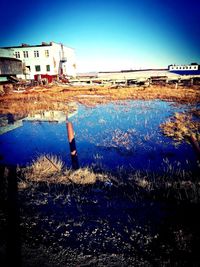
191, 64
43, 44
27, 45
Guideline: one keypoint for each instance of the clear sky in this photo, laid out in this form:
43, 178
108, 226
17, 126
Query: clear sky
108, 34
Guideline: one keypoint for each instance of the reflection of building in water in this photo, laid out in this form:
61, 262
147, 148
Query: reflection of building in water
50, 115
6, 125
10, 122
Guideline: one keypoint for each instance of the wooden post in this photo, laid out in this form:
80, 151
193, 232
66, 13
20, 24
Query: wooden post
72, 145
13, 229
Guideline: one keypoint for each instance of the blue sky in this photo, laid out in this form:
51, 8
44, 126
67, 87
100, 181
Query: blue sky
108, 34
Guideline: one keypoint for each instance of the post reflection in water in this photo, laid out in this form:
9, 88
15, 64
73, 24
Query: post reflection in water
72, 144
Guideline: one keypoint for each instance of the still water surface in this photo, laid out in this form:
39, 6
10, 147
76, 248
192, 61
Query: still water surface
121, 134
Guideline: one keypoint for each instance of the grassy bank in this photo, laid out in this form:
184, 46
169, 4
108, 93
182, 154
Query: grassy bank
174, 183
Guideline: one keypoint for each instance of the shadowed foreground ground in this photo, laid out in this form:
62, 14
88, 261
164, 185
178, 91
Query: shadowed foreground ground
85, 218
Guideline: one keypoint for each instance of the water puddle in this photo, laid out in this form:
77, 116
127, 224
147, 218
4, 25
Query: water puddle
110, 136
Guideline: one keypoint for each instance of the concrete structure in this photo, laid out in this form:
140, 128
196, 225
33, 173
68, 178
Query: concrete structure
50, 59
9, 66
128, 77
142, 76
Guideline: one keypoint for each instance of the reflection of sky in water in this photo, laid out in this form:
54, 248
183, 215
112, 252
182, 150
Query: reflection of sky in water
109, 135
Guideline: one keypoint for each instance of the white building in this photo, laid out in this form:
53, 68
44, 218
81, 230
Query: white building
50, 59
192, 66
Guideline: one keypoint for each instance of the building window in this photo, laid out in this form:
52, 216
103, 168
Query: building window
25, 54
46, 53
48, 67
37, 67
17, 54
36, 53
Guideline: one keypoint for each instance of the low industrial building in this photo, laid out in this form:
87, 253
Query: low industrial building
189, 69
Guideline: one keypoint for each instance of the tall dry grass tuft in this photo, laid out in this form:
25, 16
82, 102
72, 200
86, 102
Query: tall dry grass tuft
44, 168
50, 169
86, 176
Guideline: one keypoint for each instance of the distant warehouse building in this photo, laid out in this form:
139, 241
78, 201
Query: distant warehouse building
190, 69
45, 60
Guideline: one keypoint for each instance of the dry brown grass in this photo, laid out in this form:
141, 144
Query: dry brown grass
50, 169
86, 176
57, 97
34, 102
181, 127
187, 190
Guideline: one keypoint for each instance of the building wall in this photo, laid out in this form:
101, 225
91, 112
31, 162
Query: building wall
46, 59
183, 67
70, 65
189, 69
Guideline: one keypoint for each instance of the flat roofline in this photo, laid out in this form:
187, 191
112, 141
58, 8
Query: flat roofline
191, 64
25, 46
43, 44
123, 71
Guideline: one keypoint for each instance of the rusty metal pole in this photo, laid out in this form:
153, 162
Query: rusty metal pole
72, 145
